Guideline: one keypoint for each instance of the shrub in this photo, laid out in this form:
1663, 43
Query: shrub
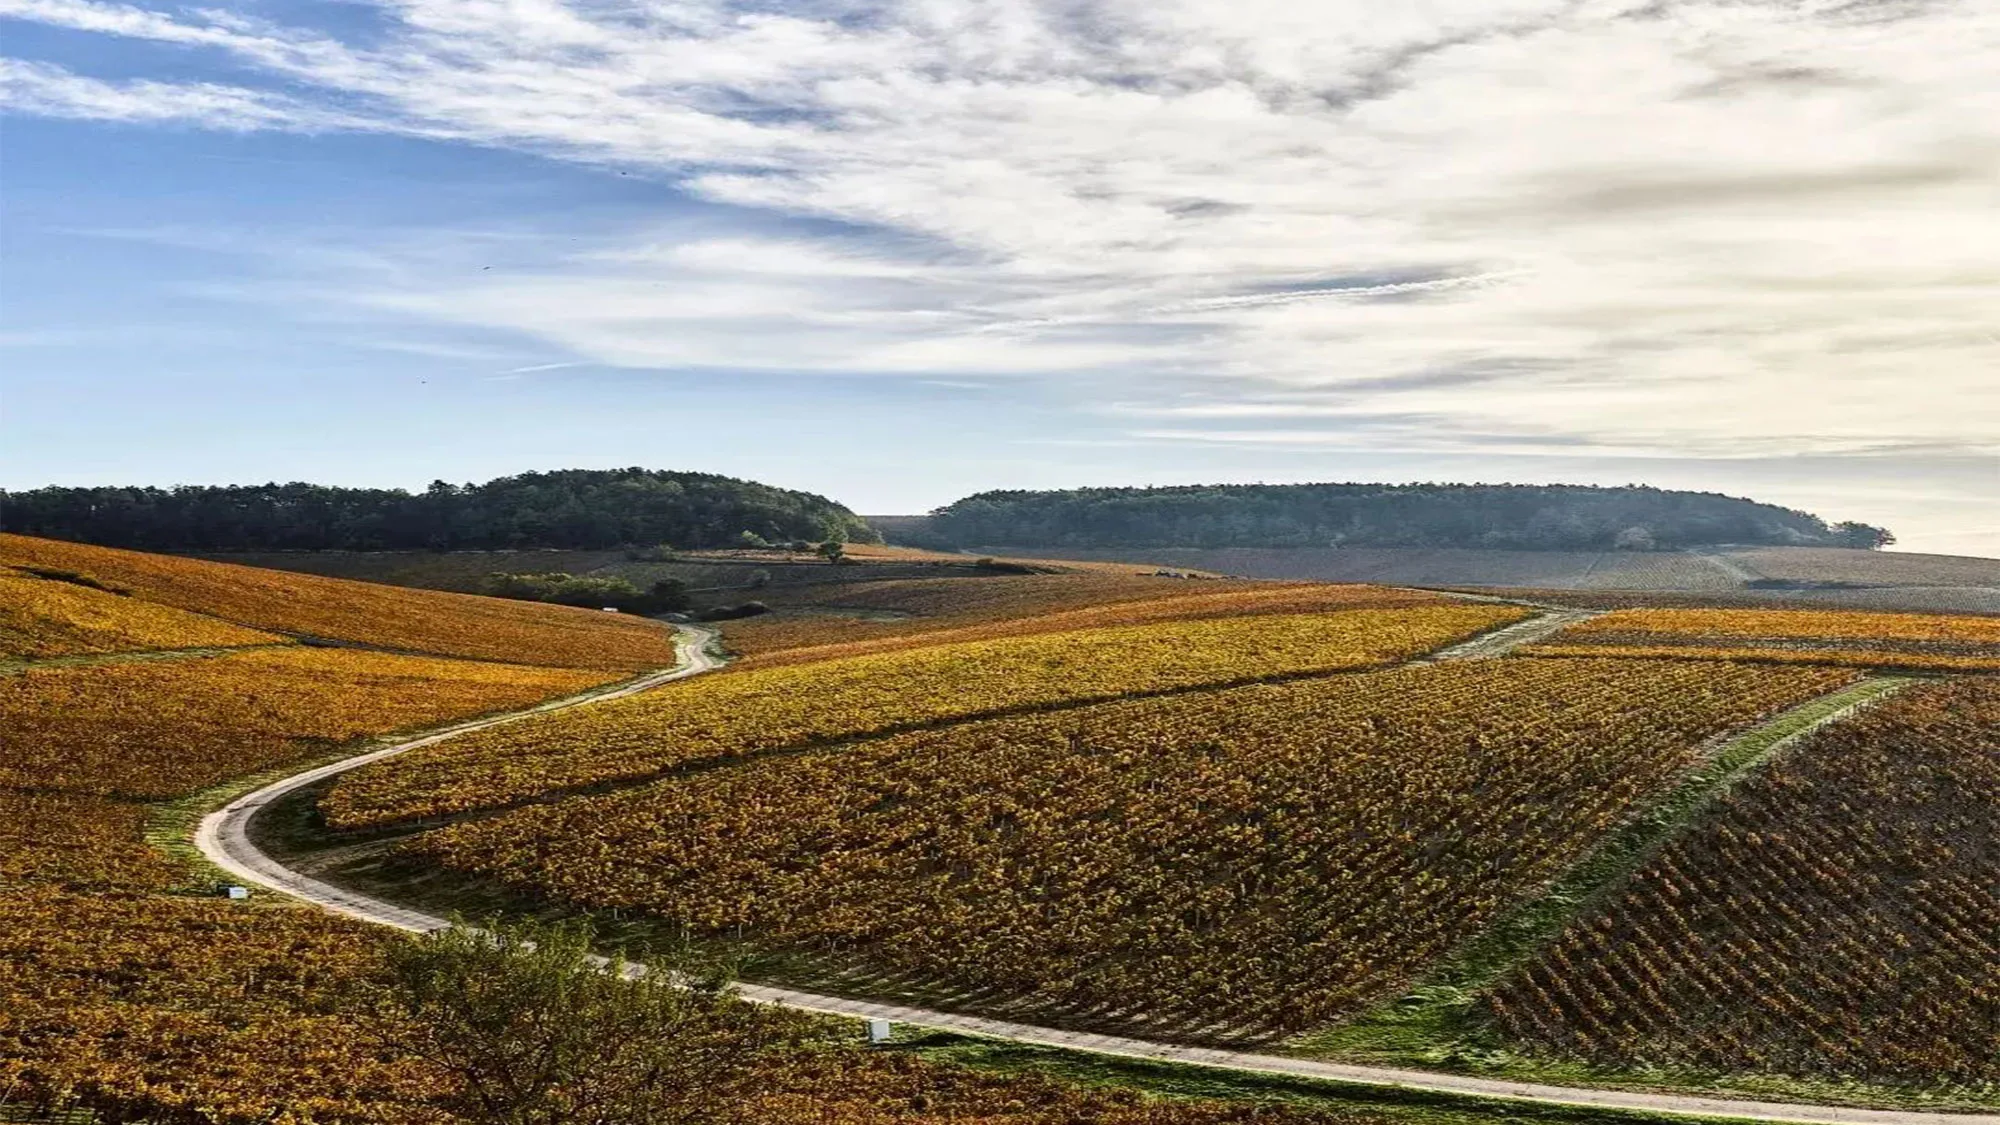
540, 1033
588, 591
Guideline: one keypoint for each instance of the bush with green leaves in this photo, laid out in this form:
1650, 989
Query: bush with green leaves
537, 1030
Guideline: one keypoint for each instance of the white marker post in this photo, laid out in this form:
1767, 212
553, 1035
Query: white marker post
878, 1031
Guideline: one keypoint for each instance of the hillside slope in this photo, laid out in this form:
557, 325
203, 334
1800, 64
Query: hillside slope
1854, 579
358, 613
570, 508
1515, 516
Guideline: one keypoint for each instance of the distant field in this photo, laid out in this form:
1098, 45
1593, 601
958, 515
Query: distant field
1835, 576
1896, 640
463, 571
882, 616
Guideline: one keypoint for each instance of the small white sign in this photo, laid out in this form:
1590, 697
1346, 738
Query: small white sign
878, 1031
234, 891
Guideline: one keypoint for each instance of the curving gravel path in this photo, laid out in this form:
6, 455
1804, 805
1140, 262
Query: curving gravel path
224, 839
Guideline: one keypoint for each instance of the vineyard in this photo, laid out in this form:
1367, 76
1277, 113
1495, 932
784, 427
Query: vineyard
186, 1009
175, 1007
752, 711
971, 610
1224, 865
1838, 917
1192, 810
122, 992
157, 729
1902, 640
384, 616
48, 617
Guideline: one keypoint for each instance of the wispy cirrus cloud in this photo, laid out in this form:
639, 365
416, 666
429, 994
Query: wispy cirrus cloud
50, 91
1628, 225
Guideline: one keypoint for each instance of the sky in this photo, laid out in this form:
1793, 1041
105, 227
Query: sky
899, 251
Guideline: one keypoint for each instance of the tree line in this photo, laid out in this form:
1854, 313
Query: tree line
582, 509
1516, 516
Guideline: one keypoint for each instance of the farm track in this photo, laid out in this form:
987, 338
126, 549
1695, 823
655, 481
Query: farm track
1728, 566
1506, 639
223, 837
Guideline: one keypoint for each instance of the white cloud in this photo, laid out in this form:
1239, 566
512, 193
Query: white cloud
51, 91
1721, 227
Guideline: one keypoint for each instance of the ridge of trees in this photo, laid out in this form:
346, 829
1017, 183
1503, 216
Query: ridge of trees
1509, 516
581, 509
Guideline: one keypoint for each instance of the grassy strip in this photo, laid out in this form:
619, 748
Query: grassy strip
1183, 1080
1432, 1025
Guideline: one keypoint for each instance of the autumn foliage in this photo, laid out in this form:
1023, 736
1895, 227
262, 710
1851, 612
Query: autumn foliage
43, 617
716, 717
1837, 917
950, 610
1892, 640
307, 605
1219, 865
157, 729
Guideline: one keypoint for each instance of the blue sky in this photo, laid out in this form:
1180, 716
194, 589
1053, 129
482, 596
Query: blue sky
897, 252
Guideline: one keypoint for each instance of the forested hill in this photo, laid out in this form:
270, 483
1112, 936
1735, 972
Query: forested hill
570, 508
1518, 516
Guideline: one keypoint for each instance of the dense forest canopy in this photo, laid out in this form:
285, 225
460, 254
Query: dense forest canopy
570, 508
1517, 516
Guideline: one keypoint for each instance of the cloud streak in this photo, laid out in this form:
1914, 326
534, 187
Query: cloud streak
1703, 225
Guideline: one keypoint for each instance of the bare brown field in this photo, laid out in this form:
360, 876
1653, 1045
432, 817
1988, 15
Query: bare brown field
1811, 575
1964, 601
1879, 568
435, 570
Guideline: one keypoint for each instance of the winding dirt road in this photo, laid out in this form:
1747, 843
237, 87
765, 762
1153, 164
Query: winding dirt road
224, 838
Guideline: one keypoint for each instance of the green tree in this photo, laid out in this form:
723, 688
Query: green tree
1852, 533
535, 1031
833, 550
